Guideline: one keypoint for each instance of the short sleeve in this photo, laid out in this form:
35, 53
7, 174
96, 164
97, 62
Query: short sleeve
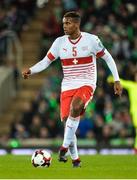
53, 52
99, 48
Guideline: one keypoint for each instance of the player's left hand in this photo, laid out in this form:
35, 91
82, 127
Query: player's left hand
117, 88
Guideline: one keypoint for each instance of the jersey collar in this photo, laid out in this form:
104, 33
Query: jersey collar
75, 41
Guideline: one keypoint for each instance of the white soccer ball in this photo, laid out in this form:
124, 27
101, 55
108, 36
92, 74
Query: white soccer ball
41, 158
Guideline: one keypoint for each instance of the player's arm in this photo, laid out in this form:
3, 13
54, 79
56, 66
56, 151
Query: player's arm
45, 62
112, 66
40, 66
104, 54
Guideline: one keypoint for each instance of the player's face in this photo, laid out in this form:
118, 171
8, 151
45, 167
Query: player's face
69, 26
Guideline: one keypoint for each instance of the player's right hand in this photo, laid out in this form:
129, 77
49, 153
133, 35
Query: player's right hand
26, 73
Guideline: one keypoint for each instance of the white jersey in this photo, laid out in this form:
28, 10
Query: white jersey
78, 59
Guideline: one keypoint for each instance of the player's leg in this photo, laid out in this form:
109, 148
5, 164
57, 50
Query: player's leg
79, 101
78, 104
65, 101
72, 122
72, 150
69, 141
63, 152
74, 153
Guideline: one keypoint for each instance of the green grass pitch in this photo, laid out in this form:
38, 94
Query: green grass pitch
93, 166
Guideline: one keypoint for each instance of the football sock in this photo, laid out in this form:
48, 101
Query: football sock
73, 149
70, 129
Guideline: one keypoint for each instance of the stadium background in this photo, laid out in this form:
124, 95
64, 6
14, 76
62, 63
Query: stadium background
29, 109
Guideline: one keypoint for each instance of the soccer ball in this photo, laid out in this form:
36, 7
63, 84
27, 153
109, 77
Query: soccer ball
41, 158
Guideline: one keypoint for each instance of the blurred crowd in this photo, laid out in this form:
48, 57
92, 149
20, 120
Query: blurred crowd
107, 117
15, 16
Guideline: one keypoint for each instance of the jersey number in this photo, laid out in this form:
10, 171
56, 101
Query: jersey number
74, 51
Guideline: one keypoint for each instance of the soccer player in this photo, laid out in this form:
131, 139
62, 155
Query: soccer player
131, 87
78, 52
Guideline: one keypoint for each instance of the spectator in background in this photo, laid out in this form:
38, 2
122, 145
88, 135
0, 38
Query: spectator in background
70, 5
35, 126
98, 127
85, 128
16, 19
134, 52
51, 29
106, 134
100, 102
18, 131
3, 43
27, 114
10, 51
44, 133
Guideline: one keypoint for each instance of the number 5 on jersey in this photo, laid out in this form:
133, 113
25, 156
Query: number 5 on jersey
74, 51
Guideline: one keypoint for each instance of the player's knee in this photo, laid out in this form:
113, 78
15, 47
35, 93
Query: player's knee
76, 109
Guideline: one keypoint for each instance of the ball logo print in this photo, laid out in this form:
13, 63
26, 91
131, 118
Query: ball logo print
41, 158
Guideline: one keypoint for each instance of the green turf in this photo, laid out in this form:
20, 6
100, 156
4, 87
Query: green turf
94, 166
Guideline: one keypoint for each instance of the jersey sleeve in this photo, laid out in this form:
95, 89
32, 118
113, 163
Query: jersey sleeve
99, 48
53, 52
